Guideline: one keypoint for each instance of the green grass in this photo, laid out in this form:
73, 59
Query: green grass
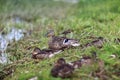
88, 17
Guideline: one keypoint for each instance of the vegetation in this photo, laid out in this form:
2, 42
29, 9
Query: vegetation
86, 18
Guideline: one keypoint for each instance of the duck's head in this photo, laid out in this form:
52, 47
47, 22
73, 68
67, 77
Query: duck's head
71, 42
60, 61
50, 33
36, 51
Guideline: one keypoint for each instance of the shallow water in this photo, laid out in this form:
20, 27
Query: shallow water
14, 34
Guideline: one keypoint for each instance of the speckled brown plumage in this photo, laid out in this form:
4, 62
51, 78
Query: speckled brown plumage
58, 43
44, 53
62, 69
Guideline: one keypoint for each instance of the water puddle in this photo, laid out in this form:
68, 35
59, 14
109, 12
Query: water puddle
13, 34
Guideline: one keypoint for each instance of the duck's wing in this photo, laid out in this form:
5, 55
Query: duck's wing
56, 43
58, 39
66, 71
62, 43
70, 42
41, 56
47, 50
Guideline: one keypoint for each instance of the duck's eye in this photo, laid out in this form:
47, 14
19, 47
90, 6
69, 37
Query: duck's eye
66, 40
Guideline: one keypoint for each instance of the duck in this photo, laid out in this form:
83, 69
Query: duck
97, 42
44, 53
62, 69
87, 61
84, 61
59, 42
